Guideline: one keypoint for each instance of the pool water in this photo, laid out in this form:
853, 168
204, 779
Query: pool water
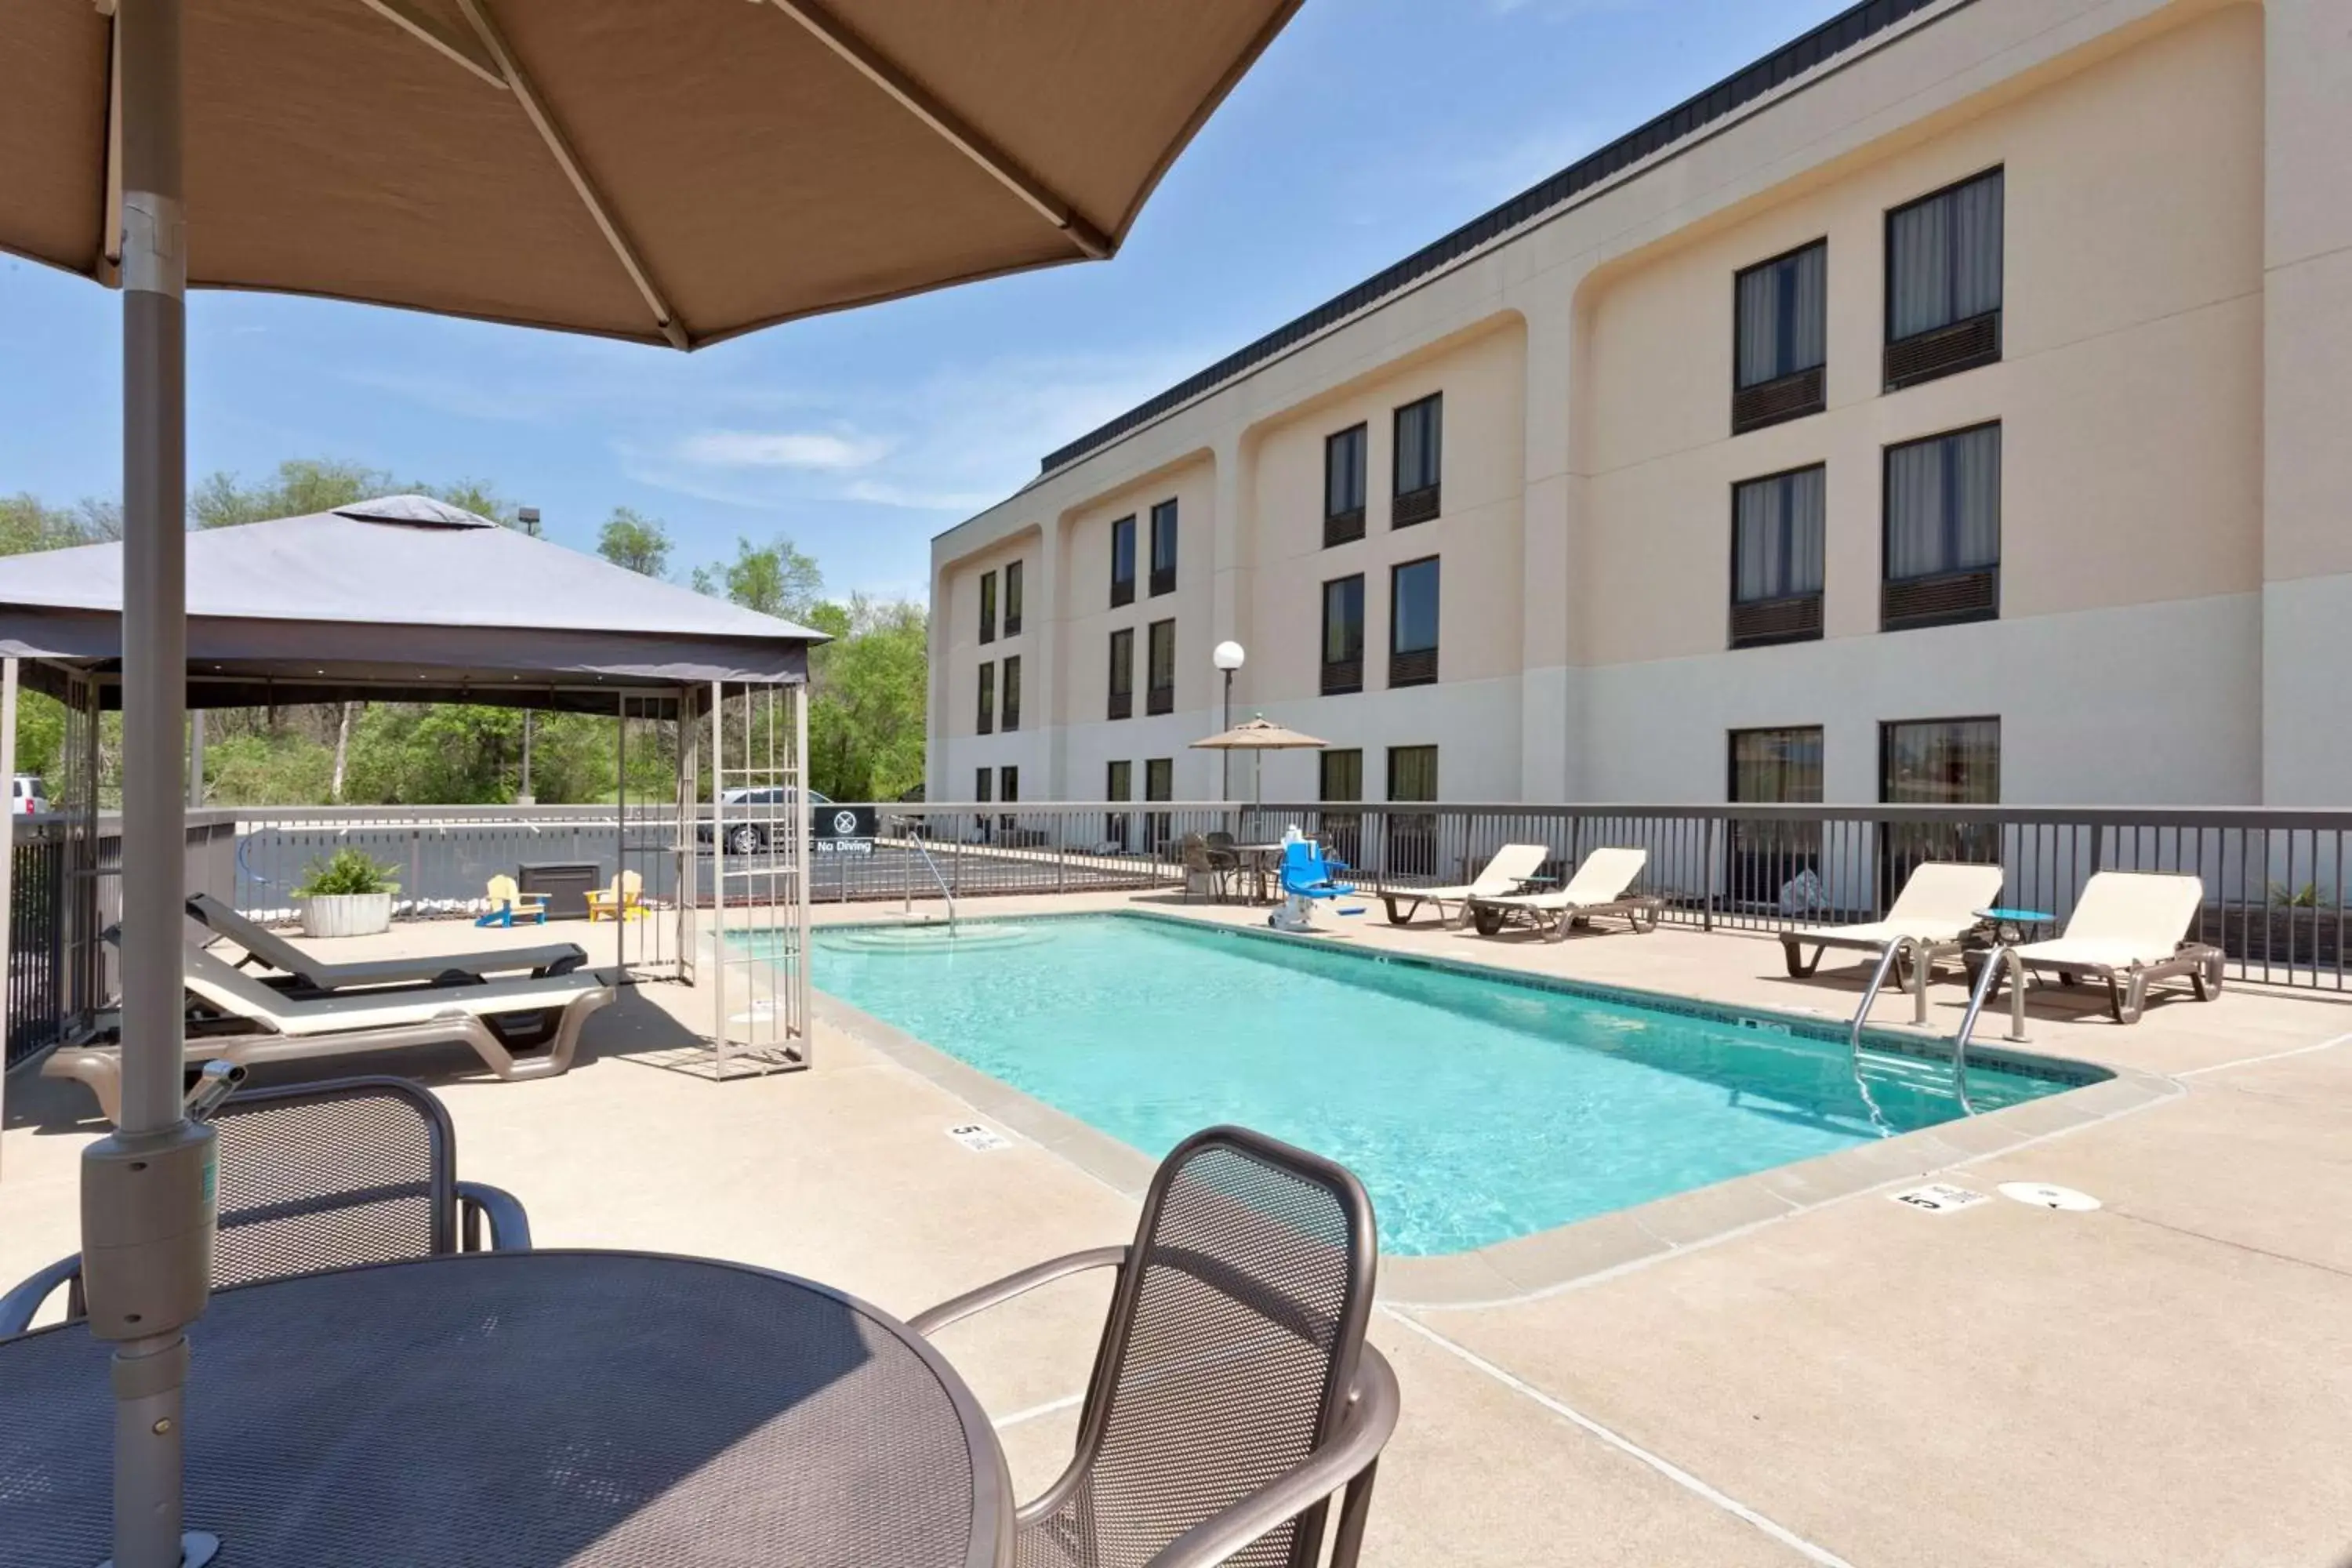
1474, 1109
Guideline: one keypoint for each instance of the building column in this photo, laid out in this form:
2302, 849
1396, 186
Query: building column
935, 723
1045, 661
2307, 370
1229, 598
1550, 716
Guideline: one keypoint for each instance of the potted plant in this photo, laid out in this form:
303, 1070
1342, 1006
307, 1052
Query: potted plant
347, 894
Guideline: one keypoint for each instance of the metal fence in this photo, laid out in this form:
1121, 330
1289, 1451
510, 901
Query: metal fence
2275, 893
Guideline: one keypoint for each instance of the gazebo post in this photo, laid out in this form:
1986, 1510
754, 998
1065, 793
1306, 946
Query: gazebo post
621, 836
8, 858
718, 877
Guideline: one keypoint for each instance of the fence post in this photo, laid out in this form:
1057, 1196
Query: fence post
1707, 863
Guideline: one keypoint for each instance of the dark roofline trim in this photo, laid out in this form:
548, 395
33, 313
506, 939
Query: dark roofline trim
1841, 32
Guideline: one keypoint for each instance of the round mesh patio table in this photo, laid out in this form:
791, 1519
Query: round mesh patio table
529, 1409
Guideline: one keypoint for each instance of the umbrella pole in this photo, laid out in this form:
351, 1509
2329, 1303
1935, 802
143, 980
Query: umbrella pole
147, 1190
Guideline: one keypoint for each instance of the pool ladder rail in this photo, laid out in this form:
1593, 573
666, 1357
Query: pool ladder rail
1888, 961
921, 841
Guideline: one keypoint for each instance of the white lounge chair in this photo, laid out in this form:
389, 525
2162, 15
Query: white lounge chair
1598, 887
312, 974
234, 1017
1513, 866
2130, 929
1936, 908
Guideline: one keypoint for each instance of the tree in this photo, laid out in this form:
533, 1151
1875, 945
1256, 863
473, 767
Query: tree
300, 486
475, 496
27, 524
774, 579
639, 544
866, 696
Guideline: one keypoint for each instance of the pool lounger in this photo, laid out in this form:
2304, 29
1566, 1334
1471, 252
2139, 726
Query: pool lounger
2129, 928
314, 975
1936, 906
1512, 868
1596, 889
237, 1018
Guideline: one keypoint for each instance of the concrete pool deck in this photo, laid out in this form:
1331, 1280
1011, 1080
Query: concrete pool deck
2166, 1380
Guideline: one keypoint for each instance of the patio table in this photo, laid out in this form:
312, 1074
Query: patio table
529, 1409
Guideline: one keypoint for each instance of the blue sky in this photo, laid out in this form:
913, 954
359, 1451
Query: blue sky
1368, 129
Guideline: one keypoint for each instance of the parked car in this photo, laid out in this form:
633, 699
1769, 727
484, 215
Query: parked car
834, 828
29, 796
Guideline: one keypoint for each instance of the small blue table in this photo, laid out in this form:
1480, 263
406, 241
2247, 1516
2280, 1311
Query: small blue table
2007, 925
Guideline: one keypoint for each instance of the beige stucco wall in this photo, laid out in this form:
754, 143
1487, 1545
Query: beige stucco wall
2129, 389
956, 613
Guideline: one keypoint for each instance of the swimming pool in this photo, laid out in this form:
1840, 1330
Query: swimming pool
1474, 1110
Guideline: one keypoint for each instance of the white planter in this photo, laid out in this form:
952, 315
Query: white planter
347, 914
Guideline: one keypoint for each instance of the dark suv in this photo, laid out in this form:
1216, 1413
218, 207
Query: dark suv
834, 828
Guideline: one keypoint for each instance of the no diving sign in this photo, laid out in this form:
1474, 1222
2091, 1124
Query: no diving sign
1936, 1197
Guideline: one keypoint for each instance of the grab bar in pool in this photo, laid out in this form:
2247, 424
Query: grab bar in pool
1986, 978
1887, 961
923, 846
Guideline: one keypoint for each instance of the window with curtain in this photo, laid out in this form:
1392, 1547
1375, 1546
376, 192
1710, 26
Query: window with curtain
1122, 561
1776, 557
1012, 598
1777, 767
987, 725
1412, 623
1118, 784
1163, 548
1412, 835
1343, 636
1779, 338
1122, 673
1936, 761
1012, 692
1008, 783
987, 606
1775, 864
1419, 438
1343, 486
1782, 307
1943, 529
983, 784
1159, 783
1341, 775
1160, 689
1413, 772
1944, 281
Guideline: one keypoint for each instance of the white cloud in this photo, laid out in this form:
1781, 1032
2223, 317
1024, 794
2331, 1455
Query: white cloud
780, 450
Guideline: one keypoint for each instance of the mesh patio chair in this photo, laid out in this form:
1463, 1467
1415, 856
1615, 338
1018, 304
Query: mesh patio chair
1203, 859
318, 1176
1232, 1394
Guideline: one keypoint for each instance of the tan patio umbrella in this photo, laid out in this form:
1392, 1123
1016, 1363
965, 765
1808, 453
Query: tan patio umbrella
1259, 734
667, 170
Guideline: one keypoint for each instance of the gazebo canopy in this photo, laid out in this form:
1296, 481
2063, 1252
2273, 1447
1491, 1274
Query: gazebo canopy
399, 598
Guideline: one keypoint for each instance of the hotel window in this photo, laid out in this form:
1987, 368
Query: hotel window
1012, 598
984, 785
1776, 558
988, 699
1343, 636
1943, 282
1780, 341
1159, 684
1118, 784
1013, 693
1343, 486
1159, 783
987, 606
1008, 786
1412, 623
1342, 779
1163, 548
1420, 430
1122, 561
1942, 531
1774, 863
1936, 761
1122, 673
1412, 835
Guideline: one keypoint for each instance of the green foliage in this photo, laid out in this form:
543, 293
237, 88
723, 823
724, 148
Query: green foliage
2308, 896
866, 698
639, 544
27, 524
300, 486
774, 579
343, 873
283, 768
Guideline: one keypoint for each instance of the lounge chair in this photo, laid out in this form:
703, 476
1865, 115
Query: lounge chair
1232, 1393
312, 974
2130, 929
624, 900
234, 1017
1513, 867
1936, 908
1598, 887
325, 1175
510, 903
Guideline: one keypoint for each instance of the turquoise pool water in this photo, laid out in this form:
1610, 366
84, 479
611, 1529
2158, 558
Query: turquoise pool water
1473, 1109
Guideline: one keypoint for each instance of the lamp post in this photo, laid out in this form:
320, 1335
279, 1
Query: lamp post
1229, 657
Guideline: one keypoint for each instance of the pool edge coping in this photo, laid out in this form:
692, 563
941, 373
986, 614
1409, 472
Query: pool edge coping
1547, 1261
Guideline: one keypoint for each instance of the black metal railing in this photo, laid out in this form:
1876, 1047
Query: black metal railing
37, 930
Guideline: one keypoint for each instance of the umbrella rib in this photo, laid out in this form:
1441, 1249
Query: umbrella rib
945, 122
430, 32
560, 146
